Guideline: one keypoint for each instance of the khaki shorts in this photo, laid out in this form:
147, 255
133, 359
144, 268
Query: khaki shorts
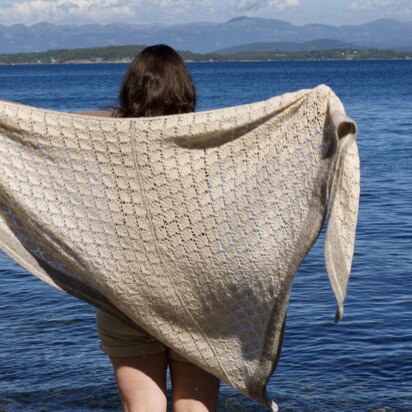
119, 339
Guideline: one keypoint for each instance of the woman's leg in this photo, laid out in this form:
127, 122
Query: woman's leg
139, 363
142, 381
193, 389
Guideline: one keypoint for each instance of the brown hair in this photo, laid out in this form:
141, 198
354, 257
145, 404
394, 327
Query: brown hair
157, 83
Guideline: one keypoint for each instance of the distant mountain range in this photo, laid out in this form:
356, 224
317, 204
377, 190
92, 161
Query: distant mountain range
206, 36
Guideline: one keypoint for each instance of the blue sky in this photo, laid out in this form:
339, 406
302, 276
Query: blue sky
336, 12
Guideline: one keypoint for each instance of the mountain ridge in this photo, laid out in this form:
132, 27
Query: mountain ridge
201, 36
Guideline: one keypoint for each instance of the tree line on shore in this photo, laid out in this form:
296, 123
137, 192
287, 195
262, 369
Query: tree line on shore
116, 54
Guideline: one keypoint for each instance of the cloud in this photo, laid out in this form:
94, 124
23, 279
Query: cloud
246, 5
59, 11
359, 5
181, 4
284, 4
29, 11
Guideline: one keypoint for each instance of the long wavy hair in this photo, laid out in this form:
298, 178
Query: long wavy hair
156, 84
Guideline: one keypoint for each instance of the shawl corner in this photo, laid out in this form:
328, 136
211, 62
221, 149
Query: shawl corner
343, 203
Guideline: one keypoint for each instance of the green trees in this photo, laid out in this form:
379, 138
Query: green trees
118, 54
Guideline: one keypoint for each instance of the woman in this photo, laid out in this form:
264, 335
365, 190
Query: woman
156, 84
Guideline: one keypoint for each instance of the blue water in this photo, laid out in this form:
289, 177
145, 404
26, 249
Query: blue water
49, 356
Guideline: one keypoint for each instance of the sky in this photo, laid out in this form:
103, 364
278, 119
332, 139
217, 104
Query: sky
335, 12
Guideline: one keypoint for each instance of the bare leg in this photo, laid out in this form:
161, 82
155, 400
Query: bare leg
142, 382
194, 390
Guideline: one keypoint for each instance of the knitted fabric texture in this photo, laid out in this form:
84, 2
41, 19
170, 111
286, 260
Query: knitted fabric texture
191, 226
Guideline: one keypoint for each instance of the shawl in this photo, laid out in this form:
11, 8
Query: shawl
191, 226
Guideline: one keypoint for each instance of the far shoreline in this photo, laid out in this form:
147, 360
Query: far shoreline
125, 54
90, 62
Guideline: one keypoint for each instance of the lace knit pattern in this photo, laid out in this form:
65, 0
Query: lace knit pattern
191, 226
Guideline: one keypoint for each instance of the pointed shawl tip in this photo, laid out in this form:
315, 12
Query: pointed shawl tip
339, 314
274, 407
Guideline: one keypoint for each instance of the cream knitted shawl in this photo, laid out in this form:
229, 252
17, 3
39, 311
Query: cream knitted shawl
191, 226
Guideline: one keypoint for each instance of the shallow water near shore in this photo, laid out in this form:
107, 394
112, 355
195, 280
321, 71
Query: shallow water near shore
49, 356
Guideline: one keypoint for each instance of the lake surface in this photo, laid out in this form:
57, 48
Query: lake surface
49, 356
